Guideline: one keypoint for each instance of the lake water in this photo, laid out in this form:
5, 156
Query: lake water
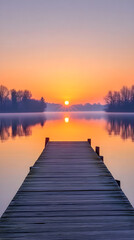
22, 138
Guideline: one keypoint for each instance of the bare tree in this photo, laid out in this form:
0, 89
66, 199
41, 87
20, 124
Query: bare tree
19, 95
121, 101
4, 93
14, 96
132, 93
109, 98
19, 101
125, 94
26, 95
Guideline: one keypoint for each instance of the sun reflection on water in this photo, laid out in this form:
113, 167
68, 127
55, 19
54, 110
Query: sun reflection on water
66, 119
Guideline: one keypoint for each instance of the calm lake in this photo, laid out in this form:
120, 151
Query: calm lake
22, 138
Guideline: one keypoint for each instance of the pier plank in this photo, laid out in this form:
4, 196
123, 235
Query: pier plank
68, 194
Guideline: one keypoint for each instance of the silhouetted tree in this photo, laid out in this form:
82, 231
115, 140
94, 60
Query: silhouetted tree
43, 104
14, 97
4, 93
19, 96
120, 101
26, 95
132, 94
19, 101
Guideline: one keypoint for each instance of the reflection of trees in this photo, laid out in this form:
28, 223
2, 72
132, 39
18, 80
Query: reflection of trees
19, 126
121, 125
4, 131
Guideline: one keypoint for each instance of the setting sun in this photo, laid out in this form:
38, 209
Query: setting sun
66, 102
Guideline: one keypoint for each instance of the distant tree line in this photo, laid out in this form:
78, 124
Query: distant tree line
75, 107
87, 107
19, 101
120, 101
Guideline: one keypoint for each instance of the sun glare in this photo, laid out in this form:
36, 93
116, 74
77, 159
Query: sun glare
66, 119
66, 102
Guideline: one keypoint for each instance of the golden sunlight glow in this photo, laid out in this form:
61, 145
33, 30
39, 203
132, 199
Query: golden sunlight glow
66, 119
66, 102
63, 62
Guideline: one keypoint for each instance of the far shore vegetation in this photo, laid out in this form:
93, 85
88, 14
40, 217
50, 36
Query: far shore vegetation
12, 101
120, 101
19, 101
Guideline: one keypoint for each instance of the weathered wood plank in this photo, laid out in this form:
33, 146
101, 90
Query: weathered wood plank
68, 194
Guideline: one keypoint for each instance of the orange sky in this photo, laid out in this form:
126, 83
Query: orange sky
62, 51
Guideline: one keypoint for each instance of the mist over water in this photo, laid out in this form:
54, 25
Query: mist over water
22, 138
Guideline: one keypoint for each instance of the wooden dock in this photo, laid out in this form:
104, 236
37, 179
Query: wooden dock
69, 194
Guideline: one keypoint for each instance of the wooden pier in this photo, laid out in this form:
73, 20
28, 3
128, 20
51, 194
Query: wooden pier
69, 194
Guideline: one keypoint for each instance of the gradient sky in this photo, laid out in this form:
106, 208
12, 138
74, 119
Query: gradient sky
67, 49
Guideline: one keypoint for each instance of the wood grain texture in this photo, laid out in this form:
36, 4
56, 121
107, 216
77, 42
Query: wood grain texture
68, 194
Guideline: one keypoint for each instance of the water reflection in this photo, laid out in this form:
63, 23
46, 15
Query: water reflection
66, 119
19, 125
17, 156
120, 124
12, 125
88, 115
